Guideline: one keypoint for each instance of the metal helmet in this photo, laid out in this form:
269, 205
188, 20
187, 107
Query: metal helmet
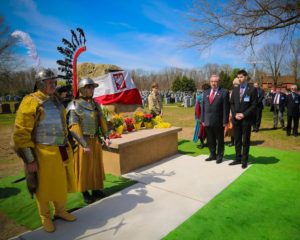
42, 75
86, 81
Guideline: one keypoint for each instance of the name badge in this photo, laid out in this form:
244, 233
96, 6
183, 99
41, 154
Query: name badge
282, 98
246, 99
296, 101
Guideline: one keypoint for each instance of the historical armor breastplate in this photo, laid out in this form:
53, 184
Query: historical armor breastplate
88, 117
51, 129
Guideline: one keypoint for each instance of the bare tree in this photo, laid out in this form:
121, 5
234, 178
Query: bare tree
247, 19
6, 43
295, 59
272, 56
8, 61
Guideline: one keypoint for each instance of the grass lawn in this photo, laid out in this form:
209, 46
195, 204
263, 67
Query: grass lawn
263, 203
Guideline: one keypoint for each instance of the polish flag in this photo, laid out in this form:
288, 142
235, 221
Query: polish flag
116, 87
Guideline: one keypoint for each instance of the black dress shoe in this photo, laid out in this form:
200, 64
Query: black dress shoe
88, 199
211, 158
288, 134
296, 134
98, 194
274, 128
244, 164
200, 146
219, 160
235, 162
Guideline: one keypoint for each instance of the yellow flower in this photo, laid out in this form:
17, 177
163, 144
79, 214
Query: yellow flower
117, 120
138, 116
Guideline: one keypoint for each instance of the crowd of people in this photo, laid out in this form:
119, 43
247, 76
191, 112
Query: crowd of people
220, 113
62, 147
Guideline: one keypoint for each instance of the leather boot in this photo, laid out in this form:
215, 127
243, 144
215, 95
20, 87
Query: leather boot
88, 199
45, 215
60, 212
98, 194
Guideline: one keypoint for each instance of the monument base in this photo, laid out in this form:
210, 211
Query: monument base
139, 148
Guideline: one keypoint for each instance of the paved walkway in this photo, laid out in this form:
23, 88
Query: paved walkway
167, 193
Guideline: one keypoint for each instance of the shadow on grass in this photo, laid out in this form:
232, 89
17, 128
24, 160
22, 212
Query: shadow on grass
263, 160
266, 129
255, 160
185, 152
257, 142
8, 192
182, 142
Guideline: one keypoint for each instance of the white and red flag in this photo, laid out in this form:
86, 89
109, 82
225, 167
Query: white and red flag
116, 87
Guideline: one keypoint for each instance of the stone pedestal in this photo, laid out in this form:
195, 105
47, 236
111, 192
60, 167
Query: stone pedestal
140, 148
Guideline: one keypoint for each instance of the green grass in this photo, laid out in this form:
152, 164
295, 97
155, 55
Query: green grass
263, 203
16, 203
7, 119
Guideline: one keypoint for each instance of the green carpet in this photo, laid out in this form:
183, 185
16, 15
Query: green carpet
17, 204
263, 203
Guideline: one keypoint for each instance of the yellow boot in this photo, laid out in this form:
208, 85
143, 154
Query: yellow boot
48, 225
60, 212
45, 215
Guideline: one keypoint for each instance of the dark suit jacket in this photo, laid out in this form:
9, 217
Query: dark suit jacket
282, 102
260, 98
293, 105
244, 106
217, 113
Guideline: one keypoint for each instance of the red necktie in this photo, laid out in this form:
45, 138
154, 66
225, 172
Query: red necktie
211, 96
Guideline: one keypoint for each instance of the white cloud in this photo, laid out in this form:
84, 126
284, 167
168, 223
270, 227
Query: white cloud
162, 14
42, 24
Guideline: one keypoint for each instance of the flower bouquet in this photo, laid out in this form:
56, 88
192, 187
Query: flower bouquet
138, 119
129, 124
118, 121
159, 123
148, 120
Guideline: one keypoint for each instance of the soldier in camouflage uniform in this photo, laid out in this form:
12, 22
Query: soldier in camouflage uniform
154, 101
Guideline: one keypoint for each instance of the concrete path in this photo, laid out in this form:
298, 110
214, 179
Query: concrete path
167, 193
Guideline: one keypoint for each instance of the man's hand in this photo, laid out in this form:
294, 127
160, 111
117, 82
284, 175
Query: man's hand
239, 116
107, 141
86, 149
32, 167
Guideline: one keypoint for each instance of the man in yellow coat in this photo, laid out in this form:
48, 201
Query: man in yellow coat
40, 139
85, 119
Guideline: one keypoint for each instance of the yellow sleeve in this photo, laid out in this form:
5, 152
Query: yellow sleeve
24, 123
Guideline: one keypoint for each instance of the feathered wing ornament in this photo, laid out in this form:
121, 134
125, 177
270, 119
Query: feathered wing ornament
71, 52
26, 40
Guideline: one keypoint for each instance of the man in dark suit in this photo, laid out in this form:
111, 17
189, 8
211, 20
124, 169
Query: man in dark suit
293, 108
243, 103
259, 107
214, 116
277, 107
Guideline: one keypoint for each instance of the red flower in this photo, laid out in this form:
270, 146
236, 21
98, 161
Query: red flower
148, 117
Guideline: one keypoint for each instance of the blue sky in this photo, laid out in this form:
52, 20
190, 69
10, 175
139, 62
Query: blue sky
132, 34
